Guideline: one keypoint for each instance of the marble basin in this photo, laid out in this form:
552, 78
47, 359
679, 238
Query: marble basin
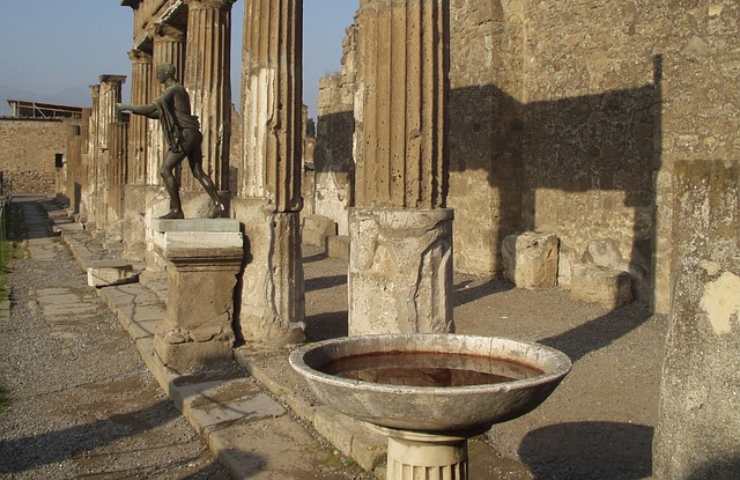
432, 409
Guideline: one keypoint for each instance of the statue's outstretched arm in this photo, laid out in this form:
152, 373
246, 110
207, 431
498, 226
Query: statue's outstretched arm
149, 111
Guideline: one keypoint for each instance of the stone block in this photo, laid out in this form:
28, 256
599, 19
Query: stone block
604, 253
605, 286
567, 258
400, 272
337, 246
316, 228
531, 259
109, 273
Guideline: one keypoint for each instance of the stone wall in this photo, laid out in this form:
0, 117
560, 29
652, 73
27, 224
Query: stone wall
27, 153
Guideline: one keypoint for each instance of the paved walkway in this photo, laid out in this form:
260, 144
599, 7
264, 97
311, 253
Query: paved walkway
82, 403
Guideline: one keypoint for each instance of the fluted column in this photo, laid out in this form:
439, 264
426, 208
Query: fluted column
89, 213
272, 103
118, 132
400, 277
168, 48
269, 202
208, 81
110, 94
141, 80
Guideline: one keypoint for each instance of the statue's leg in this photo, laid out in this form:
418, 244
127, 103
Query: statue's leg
195, 159
171, 162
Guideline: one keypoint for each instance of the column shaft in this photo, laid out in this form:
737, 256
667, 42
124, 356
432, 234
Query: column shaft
141, 80
208, 81
270, 185
272, 103
169, 48
400, 110
110, 94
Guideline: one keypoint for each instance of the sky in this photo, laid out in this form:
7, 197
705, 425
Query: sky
52, 50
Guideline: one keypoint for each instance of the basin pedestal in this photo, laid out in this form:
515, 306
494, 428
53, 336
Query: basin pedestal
425, 455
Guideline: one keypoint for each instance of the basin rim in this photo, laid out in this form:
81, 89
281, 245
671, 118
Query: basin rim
562, 366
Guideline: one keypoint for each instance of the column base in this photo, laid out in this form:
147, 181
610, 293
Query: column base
400, 271
424, 455
273, 302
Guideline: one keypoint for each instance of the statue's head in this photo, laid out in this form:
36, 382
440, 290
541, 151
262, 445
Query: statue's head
166, 71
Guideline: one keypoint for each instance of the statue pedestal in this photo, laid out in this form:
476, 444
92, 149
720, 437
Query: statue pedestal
203, 259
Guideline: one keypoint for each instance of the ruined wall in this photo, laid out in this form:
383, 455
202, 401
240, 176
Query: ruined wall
613, 94
27, 152
333, 159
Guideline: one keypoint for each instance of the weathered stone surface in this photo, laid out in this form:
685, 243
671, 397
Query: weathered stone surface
316, 228
272, 303
698, 434
567, 259
400, 274
134, 224
338, 246
531, 259
608, 287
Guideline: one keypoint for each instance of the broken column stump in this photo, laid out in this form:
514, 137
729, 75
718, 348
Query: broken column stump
400, 271
203, 258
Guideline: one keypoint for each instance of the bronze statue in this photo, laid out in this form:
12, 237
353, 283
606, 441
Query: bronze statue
183, 137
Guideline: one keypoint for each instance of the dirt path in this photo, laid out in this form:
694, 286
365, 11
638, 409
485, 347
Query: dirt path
82, 403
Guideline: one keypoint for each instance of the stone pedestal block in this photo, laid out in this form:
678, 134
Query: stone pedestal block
202, 270
531, 259
606, 286
195, 205
316, 229
273, 301
400, 272
134, 225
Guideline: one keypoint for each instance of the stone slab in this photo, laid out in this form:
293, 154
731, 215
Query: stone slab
256, 406
212, 225
337, 246
201, 244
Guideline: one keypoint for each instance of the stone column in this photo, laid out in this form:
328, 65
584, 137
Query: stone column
168, 47
88, 211
269, 201
208, 81
141, 81
118, 132
400, 277
699, 422
110, 94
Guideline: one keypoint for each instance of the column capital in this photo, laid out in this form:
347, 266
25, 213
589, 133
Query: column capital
203, 4
139, 56
166, 32
95, 90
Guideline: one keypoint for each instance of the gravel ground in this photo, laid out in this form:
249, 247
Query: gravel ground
82, 403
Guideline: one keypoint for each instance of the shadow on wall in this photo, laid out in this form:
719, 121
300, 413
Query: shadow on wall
587, 148
588, 450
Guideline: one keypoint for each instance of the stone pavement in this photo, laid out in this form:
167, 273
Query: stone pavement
83, 404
